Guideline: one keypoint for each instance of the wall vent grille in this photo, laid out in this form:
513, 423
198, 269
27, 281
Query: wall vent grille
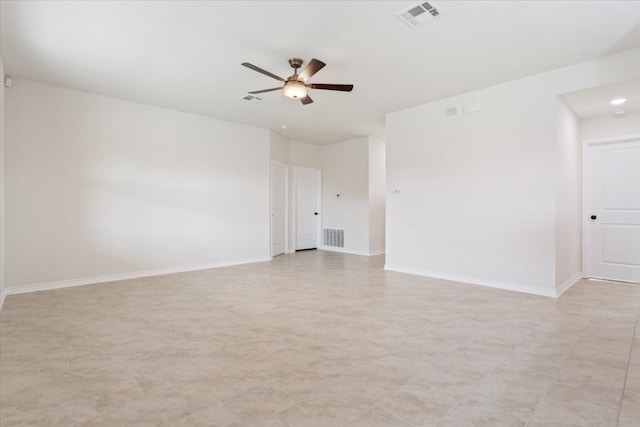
419, 14
333, 237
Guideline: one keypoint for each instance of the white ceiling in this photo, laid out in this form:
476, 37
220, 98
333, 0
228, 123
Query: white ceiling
187, 55
596, 102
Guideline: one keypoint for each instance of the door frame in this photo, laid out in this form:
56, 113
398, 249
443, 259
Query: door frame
294, 213
586, 145
286, 206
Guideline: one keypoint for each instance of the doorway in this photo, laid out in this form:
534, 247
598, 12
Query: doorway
611, 190
307, 182
279, 221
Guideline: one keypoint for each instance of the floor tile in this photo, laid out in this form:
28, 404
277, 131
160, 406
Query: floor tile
629, 414
318, 338
564, 404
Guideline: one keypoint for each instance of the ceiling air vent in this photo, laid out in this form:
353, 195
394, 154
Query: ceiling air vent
419, 14
251, 98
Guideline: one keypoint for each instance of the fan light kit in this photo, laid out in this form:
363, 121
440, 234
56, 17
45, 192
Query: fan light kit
295, 89
295, 85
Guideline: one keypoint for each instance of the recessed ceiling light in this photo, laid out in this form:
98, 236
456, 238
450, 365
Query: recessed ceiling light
284, 127
618, 101
620, 113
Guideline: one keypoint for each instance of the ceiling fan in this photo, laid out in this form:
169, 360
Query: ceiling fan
295, 85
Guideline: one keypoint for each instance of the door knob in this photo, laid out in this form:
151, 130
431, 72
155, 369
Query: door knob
593, 217
315, 213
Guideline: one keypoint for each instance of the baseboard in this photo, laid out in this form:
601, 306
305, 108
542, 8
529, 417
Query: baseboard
2, 295
125, 276
508, 286
569, 283
346, 251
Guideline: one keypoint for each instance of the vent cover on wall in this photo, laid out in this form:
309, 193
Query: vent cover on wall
333, 237
419, 14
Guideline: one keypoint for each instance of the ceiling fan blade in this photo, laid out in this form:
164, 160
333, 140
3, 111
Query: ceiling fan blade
265, 90
343, 88
312, 67
260, 70
306, 100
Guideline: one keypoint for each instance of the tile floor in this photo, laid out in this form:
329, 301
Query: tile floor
319, 339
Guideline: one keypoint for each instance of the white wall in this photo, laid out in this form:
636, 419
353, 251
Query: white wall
304, 155
2, 143
568, 199
377, 196
609, 126
279, 148
477, 198
345, 172
98, 187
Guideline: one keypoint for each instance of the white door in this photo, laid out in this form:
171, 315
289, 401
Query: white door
307, 182
278, 208
612, 210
